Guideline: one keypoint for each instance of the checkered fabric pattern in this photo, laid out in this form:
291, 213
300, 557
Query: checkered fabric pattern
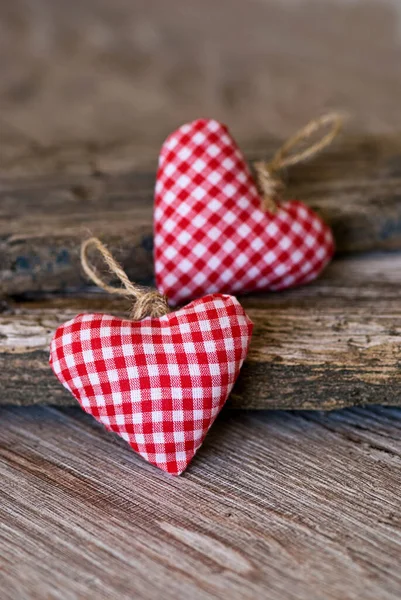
158, 383
211, 234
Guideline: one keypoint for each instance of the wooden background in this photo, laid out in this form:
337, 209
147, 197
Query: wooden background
91, 72
276, 504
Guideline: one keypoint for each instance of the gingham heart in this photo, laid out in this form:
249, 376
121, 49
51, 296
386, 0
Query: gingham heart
211, 234
159, 383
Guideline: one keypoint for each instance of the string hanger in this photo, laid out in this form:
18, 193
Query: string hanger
147, 303
268, 177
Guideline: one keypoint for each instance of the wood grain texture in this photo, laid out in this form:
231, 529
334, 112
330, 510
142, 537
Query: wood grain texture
334, 343
275, 505
354, 186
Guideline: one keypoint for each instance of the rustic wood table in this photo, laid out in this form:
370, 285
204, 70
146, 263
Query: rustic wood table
296, 502
275, 505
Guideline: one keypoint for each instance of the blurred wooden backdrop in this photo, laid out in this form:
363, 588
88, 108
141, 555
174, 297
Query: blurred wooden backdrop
101, 73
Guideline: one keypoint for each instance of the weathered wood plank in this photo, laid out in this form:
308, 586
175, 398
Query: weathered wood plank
334, 343
355, 186
275, 505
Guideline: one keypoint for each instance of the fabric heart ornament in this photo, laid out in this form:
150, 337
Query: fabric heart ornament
159, 383
211, 232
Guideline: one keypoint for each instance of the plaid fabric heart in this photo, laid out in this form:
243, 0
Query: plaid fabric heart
159, 382
211, 234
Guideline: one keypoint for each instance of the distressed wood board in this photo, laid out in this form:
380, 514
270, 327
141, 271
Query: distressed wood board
275, 505
355, 186
334, 343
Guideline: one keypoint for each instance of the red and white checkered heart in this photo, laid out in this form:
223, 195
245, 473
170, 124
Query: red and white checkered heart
158, 383
211, 234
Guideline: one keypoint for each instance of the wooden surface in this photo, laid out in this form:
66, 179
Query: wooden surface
275, 505
334, 343
355, 186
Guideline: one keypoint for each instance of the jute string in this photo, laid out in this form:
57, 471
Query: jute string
268, 177
147, 303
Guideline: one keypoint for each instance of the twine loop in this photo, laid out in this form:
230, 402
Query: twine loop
270, 184
268, 177
147, 303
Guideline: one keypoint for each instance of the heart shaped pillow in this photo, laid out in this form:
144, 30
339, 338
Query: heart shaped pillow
211, 234
160, 382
